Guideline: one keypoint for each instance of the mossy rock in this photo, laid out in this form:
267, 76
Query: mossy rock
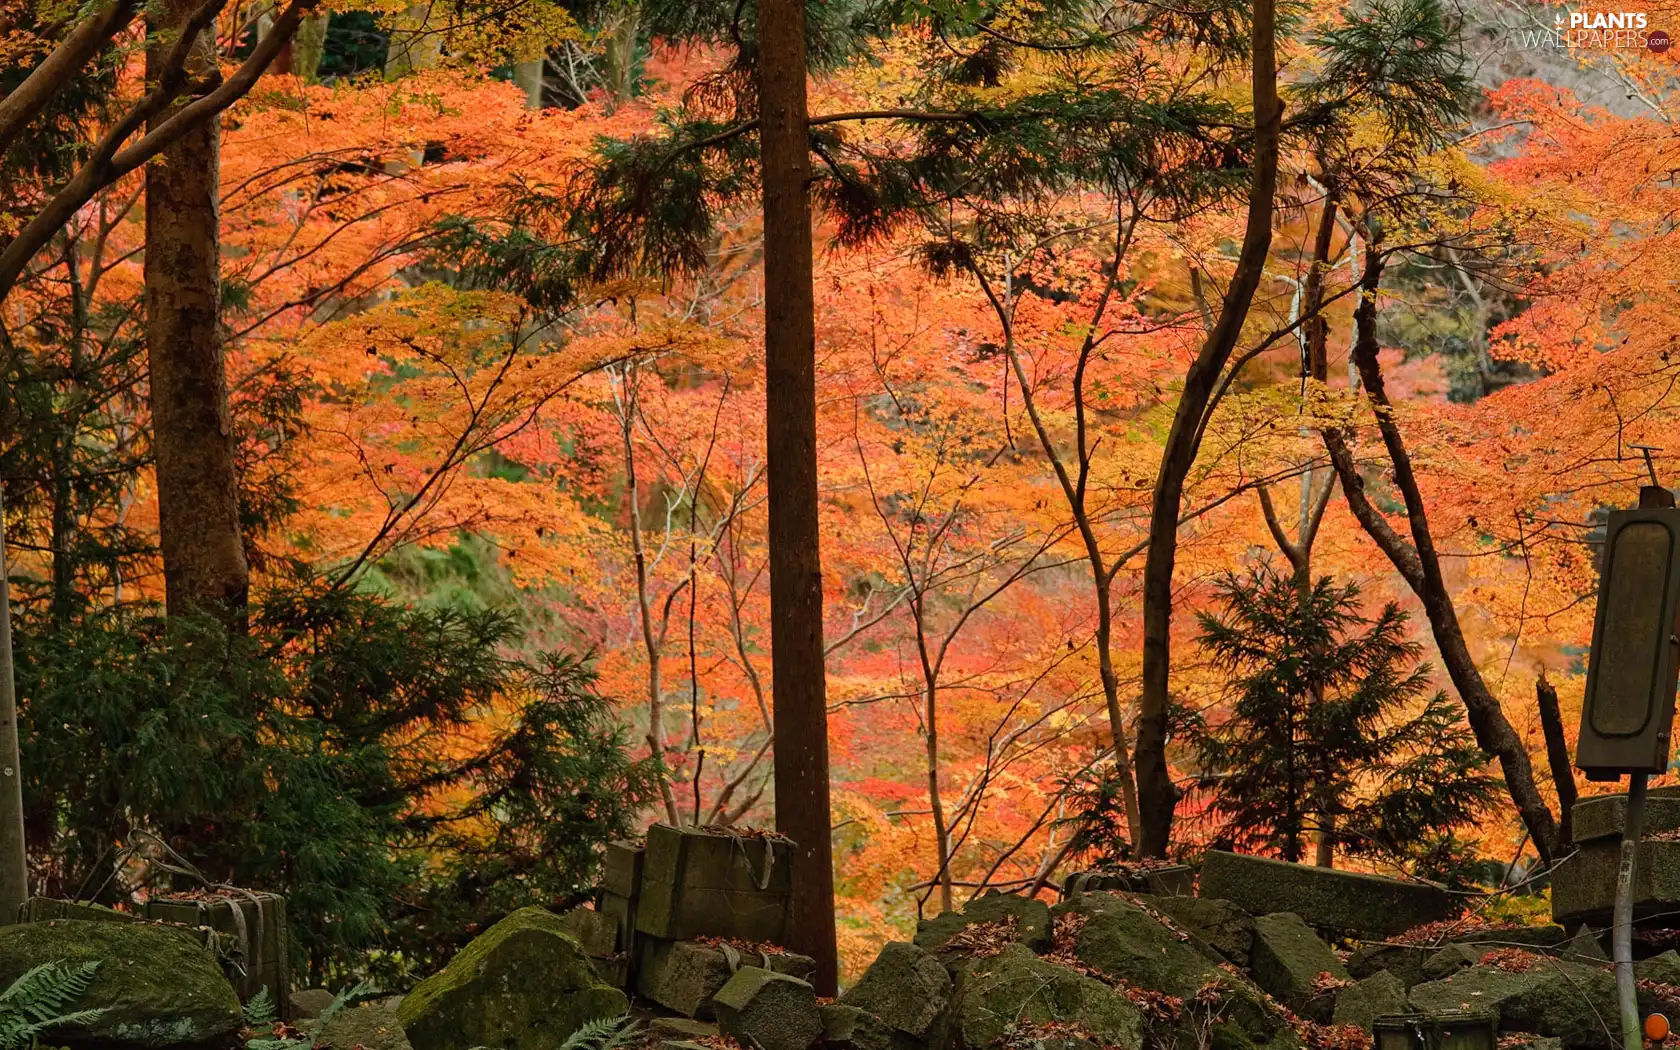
523, 984
1123, 942
156, 986
370, 1026
908, 989
1404, 961
1001, 992
1287, 961
1032, 921
1576, 1002
1215, 926
1376, 996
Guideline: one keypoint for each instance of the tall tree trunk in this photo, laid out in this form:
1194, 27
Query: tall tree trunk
1420, 566
529, 77
1157, 795
198, 501
413, 44
796, 598
309, 47
14, 869
1557, 756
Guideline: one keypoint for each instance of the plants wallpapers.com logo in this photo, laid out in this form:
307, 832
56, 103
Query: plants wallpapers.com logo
1598, 31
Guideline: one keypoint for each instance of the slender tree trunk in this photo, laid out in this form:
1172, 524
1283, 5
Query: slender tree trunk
1157, 795
930, 718
1557, 757
796, 597
14, 868
1420, 566
198, 501
413, 44
309, 47
529, 77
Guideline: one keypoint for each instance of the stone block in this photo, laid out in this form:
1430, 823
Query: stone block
1347, 901
370, 1026
681, 1028
1584, 885
909, 989
1001, 992
685, 975
595, 931
310, 1003
1451, 959
1171, 880
850, 1028
700, 882
1603, 816
621, 868
1032, 921
621, 913
1224, 928
768, 1011
43, 909
1287, 961
252, 938
1404, 961
1374, 997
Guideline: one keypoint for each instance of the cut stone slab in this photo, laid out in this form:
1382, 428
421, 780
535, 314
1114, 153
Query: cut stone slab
1341, 900
1604, 816
621, 868
370, 1026
908, 988
1002, 991
702, 882
597, 933
1574, 1002
681, 1028
1032, 921
1122, 942
156, 986
768, 1011
685, 975
523, 984
310, 1003
1584, 884
1287, 961
1221, 925
1167, 880
1376, 996
850, 1028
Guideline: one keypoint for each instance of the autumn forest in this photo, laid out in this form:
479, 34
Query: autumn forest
979, 440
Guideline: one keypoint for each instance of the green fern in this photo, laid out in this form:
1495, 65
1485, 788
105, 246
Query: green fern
40, 1000
608, 1033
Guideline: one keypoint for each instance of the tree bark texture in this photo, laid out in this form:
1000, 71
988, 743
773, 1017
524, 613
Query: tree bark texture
800, 728
1157, 795
203, 548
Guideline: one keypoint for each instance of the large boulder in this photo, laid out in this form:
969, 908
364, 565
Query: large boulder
1218, 924
1341, 900
908, 989
156, 986
1015, 989
1376, 996
768, 1011
371, 1026
1030, 916
1404, 961
1288, 961
1122, 942
523, 984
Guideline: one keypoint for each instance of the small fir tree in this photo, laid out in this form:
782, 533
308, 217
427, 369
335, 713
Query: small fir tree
1330, 726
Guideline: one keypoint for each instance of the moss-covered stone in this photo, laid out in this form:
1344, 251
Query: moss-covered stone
1575, 1002
1376, 996
1404, 961
1451, 959
371, 1026
1032, 921
768, 1011
1584, 883
1017, 987
1218, 924
523, 984
1352, 902
684, 975
851, 1028
156, 986
1124, 943
1287, 961
908, 989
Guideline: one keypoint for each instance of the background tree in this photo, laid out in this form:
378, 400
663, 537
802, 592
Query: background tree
1323, 721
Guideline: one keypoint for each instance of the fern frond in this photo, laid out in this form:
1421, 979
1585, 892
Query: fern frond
260, 1011
605, 1033
42, 993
